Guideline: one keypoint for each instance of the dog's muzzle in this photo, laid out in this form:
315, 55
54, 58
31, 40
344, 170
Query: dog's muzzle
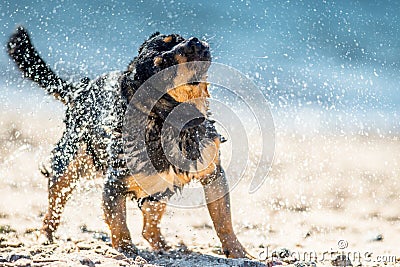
196, 50
192, 49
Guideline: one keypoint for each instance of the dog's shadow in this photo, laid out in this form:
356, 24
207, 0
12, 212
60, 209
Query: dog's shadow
178, 256
183, 257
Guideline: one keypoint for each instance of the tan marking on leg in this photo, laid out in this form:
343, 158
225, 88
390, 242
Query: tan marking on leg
133, 186
152, 214
221, 216
60, 189
115, 217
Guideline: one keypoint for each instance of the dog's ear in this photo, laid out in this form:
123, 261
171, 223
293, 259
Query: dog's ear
154, 35
148, 39
128, 86
132, 64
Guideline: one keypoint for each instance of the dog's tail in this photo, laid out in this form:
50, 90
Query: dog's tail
26, 57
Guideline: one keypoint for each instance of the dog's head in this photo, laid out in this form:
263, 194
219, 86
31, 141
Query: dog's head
163, 51
160, 52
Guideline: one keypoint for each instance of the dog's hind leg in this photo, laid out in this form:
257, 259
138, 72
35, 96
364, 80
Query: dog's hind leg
62, 180
153, 211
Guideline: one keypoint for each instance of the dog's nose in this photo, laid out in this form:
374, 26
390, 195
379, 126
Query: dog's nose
195, 44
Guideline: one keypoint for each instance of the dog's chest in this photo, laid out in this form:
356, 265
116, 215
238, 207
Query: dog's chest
166, 161
162, 184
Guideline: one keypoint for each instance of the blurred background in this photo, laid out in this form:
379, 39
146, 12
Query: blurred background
329, 69
333, 64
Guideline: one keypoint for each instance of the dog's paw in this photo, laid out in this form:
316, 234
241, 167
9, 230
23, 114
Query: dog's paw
156, 240
160, 245
236, 251
45, 239
129, 251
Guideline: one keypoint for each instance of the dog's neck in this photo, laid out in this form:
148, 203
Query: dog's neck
196, 94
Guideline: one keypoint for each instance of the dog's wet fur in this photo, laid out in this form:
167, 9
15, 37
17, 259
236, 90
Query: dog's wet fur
93, 139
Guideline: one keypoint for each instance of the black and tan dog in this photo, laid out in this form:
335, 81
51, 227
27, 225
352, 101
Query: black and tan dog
93, 138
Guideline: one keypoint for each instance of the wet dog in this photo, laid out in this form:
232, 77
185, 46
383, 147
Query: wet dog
94, 138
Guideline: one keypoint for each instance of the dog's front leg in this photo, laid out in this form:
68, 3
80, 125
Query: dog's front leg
114, 206
220, 213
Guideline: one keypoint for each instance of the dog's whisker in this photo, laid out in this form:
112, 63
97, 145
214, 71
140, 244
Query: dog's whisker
210, 38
